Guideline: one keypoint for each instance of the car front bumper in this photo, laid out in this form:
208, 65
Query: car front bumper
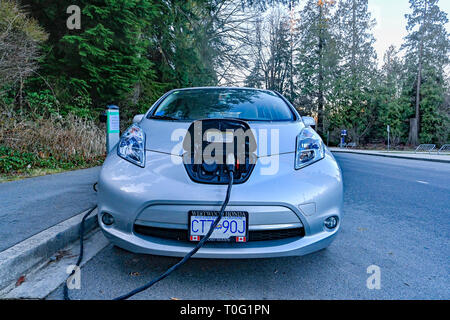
161, 194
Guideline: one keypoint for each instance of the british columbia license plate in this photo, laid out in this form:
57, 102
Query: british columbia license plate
232, 227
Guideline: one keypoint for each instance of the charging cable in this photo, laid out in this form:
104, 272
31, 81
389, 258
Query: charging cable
230, 169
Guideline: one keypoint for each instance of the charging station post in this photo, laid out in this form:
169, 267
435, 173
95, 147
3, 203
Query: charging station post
343, 134
388, 133
112, 127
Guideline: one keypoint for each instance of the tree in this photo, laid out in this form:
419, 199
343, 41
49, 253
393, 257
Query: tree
392, 107
271, 52
427, 46
20, 37
106, 59
354, 87
316, 57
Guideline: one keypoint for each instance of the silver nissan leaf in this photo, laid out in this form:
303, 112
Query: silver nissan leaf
163, 184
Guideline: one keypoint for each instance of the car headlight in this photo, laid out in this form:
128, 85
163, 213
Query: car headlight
131, 146
310, 148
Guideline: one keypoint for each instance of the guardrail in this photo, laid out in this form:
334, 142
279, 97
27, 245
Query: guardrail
425, 148
444, 148
349, 145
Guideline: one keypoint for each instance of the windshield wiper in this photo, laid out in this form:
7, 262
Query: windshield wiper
248, 119
162, 117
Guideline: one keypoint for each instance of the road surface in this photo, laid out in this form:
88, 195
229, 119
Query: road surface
396, 217
32, 205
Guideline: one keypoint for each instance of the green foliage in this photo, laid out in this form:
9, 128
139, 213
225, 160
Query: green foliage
13, 161
108, 56
432, 92
354, 92
127, 52
427, 48
391, 105
317, 58
41, 103
130, 52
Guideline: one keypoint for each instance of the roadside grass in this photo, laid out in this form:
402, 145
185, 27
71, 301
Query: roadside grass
17, 165
34, 145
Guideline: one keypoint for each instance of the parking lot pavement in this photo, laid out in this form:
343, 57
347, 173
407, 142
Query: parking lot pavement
32, 205
396, 217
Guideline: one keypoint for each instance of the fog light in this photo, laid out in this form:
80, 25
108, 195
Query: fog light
107, 219
331, 222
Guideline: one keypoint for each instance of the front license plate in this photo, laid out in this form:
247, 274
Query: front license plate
232, 227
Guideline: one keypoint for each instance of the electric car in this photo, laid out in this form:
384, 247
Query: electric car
163, 184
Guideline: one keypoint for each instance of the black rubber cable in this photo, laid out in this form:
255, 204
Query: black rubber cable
175, 266
80, 257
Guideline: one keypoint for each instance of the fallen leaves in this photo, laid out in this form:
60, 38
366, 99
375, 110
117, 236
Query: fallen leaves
20, 281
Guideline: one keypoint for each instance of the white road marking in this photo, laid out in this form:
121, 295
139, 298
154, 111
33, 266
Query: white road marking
424, 182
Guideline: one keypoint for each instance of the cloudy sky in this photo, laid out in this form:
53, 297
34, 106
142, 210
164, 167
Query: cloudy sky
391, 22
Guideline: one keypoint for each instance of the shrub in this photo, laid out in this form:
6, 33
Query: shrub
53, 142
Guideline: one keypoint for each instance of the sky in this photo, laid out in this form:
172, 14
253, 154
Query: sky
391, 22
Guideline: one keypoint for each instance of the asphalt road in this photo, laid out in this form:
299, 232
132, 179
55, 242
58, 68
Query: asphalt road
32, 205
396, 217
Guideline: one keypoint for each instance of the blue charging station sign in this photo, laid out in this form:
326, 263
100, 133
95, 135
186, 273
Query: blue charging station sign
343, 132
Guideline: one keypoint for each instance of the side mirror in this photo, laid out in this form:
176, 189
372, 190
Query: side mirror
138, 118
309, 121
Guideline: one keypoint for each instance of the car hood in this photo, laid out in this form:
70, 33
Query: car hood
167, 136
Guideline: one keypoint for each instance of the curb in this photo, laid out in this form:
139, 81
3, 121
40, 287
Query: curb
24, 256
392, 156
45, 279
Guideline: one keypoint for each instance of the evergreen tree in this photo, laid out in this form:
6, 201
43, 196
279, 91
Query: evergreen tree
106, 58
427, 48
316, 57
354, 88
391, 105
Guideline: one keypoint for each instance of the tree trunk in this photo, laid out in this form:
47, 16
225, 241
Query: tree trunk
320, 93
415, 122
413, 138
414, 125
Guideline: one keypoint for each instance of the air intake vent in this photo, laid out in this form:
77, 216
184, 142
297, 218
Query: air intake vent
182, 235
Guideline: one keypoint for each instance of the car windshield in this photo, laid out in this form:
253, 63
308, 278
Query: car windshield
245, 104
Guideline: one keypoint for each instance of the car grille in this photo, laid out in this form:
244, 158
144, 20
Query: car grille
265, 235
253, 235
